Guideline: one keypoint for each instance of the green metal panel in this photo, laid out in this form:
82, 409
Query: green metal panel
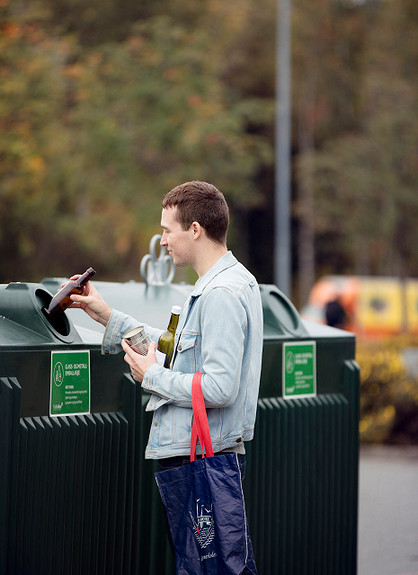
6, 446
302, 482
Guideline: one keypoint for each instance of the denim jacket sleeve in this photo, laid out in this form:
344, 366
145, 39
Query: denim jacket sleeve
118, 324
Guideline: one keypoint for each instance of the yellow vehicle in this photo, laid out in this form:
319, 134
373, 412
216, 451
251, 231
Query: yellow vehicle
372, 306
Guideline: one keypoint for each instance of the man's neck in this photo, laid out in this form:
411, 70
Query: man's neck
208, 257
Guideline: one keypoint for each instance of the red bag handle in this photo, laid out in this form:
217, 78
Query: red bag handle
200, 428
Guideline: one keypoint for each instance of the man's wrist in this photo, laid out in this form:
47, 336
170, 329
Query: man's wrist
105, 317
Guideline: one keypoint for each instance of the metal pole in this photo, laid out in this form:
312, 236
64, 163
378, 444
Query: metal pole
282, 247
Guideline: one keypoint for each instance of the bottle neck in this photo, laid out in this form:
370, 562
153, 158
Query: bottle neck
174, 320
83, 279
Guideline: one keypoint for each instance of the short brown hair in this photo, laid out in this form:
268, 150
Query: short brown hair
203, 203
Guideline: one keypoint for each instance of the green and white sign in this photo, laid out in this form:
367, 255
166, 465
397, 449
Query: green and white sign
70, 382
299, 369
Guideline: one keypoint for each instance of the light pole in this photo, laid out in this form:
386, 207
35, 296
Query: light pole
282, 243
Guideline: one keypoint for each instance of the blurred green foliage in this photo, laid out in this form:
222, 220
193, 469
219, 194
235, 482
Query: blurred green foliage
389, 392
105, 106
365, 179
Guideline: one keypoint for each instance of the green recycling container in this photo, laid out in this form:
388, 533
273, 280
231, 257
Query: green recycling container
302, 480
77, 495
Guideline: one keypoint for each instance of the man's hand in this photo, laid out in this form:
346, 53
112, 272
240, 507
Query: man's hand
139, 363
92, 303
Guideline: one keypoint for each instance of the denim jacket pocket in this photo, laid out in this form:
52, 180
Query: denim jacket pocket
188, 350
187, 340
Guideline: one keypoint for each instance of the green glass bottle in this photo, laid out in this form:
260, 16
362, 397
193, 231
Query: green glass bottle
165, 346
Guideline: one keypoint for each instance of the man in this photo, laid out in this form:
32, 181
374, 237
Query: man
335, 315
220, 333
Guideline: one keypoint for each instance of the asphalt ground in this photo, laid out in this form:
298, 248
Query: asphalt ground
388, 511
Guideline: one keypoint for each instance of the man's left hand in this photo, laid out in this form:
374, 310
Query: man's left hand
139, 363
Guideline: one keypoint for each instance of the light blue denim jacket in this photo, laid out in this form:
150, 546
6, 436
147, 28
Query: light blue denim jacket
220, 333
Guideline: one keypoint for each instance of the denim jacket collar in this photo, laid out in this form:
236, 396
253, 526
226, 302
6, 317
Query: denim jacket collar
226, 261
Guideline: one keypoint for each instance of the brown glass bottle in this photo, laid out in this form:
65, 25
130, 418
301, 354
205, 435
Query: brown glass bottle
61, 299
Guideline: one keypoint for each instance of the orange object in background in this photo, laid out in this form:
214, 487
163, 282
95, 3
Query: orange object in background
373, 306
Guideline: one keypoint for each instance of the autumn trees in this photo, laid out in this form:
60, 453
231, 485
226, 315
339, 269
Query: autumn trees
105, 106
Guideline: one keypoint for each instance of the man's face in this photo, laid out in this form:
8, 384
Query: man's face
179, 242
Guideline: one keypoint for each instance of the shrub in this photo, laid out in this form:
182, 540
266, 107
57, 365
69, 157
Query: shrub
389, 392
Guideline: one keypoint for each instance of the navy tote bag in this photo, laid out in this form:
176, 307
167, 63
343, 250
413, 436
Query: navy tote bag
205, 506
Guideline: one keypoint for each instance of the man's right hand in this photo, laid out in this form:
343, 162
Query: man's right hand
92, 303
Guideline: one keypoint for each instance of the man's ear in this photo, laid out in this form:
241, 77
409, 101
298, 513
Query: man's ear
197, 230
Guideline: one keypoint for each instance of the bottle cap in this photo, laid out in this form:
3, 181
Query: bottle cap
176, 309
